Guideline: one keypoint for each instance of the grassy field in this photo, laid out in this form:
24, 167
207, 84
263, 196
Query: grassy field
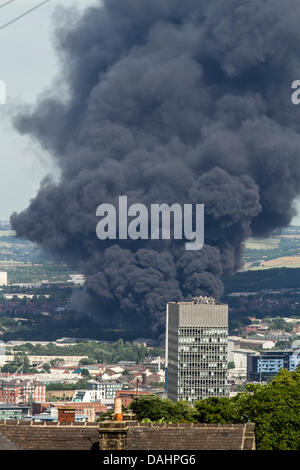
7, 233
282, 262
256, 280
282, 250
50, 272
290, 236
262, 243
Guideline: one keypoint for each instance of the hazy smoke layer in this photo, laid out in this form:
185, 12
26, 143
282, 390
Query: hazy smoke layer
169, 101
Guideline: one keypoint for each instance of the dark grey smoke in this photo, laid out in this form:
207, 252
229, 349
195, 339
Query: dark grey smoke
169, 101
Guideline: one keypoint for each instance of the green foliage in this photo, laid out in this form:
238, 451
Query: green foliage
85, 373
283, 344
80, 385
265, 251
273, 407
279, 323
87, 362
161, 420
36, 273
20, 360
231, 365
94, 351
157, 385
7, 322
57, 362
275, 278
240, 388
106, 415
46, 367
218, 410
155, 409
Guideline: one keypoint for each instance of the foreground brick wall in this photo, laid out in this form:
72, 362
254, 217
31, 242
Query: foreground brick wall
129, 435
148, 436
28, 435
191, 437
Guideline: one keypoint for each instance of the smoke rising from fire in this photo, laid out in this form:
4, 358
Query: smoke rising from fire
168, 101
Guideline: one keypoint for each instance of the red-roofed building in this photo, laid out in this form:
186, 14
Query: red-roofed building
127, 396
80, 408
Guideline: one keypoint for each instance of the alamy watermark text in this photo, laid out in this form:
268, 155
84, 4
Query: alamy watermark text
154, 224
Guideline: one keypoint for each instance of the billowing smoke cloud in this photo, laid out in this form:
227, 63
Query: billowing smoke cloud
169, 101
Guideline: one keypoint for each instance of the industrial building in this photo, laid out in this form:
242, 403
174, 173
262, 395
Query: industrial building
11, 411
196, 349
269, 363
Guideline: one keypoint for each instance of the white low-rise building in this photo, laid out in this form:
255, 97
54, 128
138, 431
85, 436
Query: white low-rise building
3, 278
77, 279
240, 359
268, 345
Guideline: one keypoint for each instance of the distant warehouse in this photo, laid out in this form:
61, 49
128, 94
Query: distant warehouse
269, 363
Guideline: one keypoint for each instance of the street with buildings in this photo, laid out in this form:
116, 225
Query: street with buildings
201, 360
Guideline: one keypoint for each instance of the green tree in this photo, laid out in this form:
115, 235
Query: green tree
279, 323
20, 360
57, 362
157, 385
218, 410
86, 361
275, 409
46, 367
155, 409
85, 373
54, 386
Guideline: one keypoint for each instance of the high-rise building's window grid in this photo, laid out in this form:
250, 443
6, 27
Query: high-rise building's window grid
270, 365
202, 361
294, 361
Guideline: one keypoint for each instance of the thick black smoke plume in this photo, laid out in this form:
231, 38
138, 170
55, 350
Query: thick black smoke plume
169, 101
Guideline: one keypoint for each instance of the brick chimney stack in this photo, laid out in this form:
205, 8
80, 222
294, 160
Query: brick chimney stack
66, 415
118, 410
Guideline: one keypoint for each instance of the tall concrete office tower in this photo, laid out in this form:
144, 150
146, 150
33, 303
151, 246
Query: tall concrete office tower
196, 349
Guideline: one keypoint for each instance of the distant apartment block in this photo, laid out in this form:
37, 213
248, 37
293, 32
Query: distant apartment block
88, 396
196, 349
106, 390
11, 411
260, 368
19, 391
